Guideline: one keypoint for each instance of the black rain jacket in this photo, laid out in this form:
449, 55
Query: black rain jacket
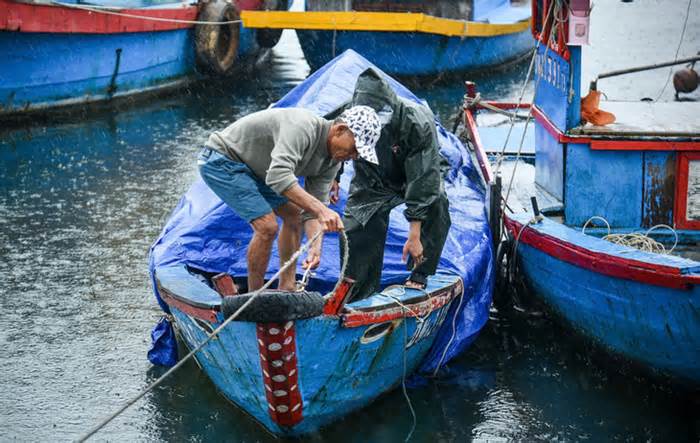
409, 167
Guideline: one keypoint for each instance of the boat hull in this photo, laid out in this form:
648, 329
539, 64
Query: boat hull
44, 70
653, 324
78, 59
416, 53
330, 366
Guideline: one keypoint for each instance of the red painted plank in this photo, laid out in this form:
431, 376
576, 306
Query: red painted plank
601, 263
437, 300
470, 124
200, 313
681, 208
280, 372
639, 145
337, 301
25, 17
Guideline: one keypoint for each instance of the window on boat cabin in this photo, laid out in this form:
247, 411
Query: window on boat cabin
459, 10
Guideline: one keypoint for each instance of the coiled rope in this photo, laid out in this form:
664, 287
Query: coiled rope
636, 240
216, 331
110, 11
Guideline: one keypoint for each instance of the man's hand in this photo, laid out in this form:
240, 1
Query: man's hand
335, 192
330, 220
313, 258
413, 247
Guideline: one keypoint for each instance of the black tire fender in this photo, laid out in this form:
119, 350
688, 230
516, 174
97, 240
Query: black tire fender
217, 45
267, 38
272, 306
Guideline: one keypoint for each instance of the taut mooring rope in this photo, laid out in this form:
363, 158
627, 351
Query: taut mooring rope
216, 331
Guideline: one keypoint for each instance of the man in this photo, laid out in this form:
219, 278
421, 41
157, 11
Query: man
408, 171
254, 165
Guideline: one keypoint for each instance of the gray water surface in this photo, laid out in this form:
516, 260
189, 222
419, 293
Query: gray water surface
80, 204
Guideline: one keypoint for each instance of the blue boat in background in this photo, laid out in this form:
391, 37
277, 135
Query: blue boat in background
60, 54
299, 373
408, 38
610, 242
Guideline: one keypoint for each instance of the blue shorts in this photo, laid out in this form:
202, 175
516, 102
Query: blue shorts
237, 185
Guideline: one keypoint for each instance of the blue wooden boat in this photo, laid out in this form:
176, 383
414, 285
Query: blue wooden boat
594, 183
58, 54
407, 38
297, 374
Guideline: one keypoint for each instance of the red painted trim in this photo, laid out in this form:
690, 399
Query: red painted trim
681, 202
278, 360
470, 124
224, 284
643, 145
435, 301
601, 263
612, 145
337, 301
200, 313
502, 105
25, 17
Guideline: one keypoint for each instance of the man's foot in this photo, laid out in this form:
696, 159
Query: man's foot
417, 280
414, 285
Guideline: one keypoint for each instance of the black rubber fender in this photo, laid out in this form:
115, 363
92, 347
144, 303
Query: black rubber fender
273, 306
217, 45
267, 38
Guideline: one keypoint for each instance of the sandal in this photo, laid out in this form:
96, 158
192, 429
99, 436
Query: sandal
417, 280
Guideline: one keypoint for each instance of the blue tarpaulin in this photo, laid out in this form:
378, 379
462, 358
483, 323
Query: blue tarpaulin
204, 233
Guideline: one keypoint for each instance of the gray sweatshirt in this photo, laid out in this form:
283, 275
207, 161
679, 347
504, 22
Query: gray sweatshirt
280, 145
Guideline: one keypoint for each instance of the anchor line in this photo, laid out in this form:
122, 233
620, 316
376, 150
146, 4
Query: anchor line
452, 337
216, 331
107, 11
403, 379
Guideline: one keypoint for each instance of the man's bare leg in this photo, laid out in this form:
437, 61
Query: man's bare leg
260, 248
288, 242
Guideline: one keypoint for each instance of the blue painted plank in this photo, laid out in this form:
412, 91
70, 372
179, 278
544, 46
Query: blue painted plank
41, 70
659, 188
604, 183
415, 53
552, 83
549, 163
597, 245
178, 281
656, 326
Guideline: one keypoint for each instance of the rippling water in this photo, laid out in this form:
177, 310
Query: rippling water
81, 202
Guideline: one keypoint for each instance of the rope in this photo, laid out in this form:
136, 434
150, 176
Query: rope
214, 333
104, 10
403, 381
636, 240
419, 319
452, 337
595, 217
555, 5
670, 70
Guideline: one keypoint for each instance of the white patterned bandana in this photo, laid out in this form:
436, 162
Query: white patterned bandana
366, 128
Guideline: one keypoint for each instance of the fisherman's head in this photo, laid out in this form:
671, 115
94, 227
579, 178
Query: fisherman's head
354, 134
